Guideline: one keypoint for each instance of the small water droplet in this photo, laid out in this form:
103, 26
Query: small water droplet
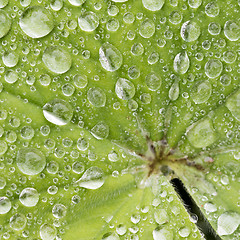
212, 9
153, 81
18, 221
201, 92
181, 63
96, 97
213, 68
59, 211
124, 89
29, 197
190, 31
184, 232
100, 130
48, 232
88, 21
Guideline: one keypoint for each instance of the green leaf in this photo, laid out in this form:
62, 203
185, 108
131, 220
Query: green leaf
102, 103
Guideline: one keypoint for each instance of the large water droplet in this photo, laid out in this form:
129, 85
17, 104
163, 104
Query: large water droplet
175, 17
213, 68
57, 59
228, 223
5, 24
5, 205
3, 3
233, 104
93, 178
59, 211
36, 22
212, 9
124, 89
190, 31
184, 232
110, 57
194, 3
29, 197
147, 28
48, 232
153, 82
11, 76
202, 133
30, 161
201, 92
232, 30
100, 130
88, 21
153, 5
96, 97
162, 234
10, 59
58, 112
18, 221
181, 63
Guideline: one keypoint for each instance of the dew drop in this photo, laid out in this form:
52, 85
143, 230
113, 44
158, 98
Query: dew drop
194, 3
29, 197
93, 178
190, 31
36, 22
162, 234
78, 167
110, 57
30, 161
232, 30
229, 56
96, 97
202, 133
100, 130
59, 211
10, 59
213, 68
153, 5
184, 232
5, 205
5, 24
58, 112
82, 144
3, 3
175, 17
52, 167
174, 91
124, 89
214, 28
212, 9
18, 221
56, 5
80, 81
147, 28
77, 3
27, 132
88, 21
57, 59
181, 63
153, 82
137, 49
11, 76
161, 216
201, 92
48, 232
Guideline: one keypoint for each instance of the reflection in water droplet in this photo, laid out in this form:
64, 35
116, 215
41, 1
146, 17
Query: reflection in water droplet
201, 92
181, 63
5, 23
5, 205
36, 22
88, 21
202, 133
18, 221
93, 178
233, 104
96, 97
58, 112
29, 197
147, 28
124, 89
232, 30
48, 232
210, 207
110, 57
190, 31
30, 161
57, 59
100, 130
213, 68
153, 5
228, 223
153, 82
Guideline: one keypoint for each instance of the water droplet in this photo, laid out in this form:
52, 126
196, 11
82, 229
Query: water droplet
201, 92
5, 205
5, 24
110, 57
229, 56
213, 68
48, 232
52, 167
68, 89
11, 76
121, 229
93, 178
137, 49
58, 112
3, 147
113, 156
190, 31
25, 3
162, 234
56, 5
27, 132
18, 221
124, 89
128, 18
100, 130
110, 236
30, 161
77, 3
153, 82
175, 17
80, 81
212, 9
174, 91
194, 3
153, 5
78, 167
210, 207
147, 28
181, 63
88, 21
161, 216
233, 104
82, 144
133, 72
3, 3
228, 223
214, 28
184, 232
153, 58
29, 197
232, 30
96, 97
45, 79
10, 59
59, 211
36, 22
202, 133
112, 25
225, 80
57, 59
